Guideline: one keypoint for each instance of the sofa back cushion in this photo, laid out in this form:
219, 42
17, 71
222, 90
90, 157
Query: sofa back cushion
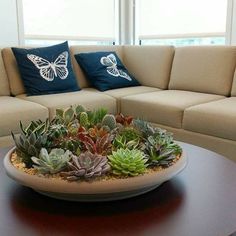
15, 82
4, 84
207, 69
150, 65
81, 78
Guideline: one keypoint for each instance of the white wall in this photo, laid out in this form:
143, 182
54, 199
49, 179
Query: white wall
8, 23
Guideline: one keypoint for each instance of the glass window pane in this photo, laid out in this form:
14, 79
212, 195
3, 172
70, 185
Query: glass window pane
182, 17
71, 19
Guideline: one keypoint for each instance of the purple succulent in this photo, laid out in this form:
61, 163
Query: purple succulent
87, 165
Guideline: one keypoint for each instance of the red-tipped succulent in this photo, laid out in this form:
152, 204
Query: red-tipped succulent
101, 145
124, 120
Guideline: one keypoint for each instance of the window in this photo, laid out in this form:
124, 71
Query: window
79, 21
181, 22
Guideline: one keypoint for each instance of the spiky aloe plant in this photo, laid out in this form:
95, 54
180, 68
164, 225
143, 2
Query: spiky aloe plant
32, 138
96, 116
144, 127
121, 142
161, 150
53, 162
127, 162
86, 166
110, 121
28, 146
38, 127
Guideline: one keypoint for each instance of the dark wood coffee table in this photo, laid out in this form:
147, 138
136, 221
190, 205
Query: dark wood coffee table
200, 201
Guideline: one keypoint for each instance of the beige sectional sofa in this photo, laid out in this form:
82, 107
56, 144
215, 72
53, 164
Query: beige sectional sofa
190, 91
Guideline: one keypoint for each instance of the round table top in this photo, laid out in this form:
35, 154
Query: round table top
200, 201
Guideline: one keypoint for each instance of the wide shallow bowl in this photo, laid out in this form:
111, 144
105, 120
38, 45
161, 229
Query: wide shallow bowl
103, 190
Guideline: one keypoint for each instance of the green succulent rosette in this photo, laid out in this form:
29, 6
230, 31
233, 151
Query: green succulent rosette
128, 162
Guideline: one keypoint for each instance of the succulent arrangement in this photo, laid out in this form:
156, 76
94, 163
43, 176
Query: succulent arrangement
80, 144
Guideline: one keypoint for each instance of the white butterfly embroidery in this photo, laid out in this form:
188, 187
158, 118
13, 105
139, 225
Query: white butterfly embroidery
111, 63
48, 70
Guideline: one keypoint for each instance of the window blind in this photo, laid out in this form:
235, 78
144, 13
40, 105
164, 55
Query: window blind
69, 19
181, 18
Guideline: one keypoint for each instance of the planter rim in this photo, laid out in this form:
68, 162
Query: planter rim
105, 186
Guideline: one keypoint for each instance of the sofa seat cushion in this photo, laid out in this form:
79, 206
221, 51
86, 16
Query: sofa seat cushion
123, 92
217, 118
90, 99
164, 107
14, 110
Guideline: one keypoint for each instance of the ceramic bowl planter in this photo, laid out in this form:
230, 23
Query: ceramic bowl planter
84, 155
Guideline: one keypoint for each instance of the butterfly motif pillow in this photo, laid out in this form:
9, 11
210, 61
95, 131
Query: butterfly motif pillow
105, 70
46, 70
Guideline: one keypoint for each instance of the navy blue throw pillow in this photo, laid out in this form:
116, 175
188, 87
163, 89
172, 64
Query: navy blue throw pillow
46, 70
105, 70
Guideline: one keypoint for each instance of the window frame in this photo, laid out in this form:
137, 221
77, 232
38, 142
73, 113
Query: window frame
127, 27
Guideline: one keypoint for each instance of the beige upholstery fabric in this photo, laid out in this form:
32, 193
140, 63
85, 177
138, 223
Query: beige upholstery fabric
123, 92
6, 141
233, 91
14, 110
16, 84
89, 99
150, 65
83, 82
4, 84
216, 118
207, 69
164, 107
